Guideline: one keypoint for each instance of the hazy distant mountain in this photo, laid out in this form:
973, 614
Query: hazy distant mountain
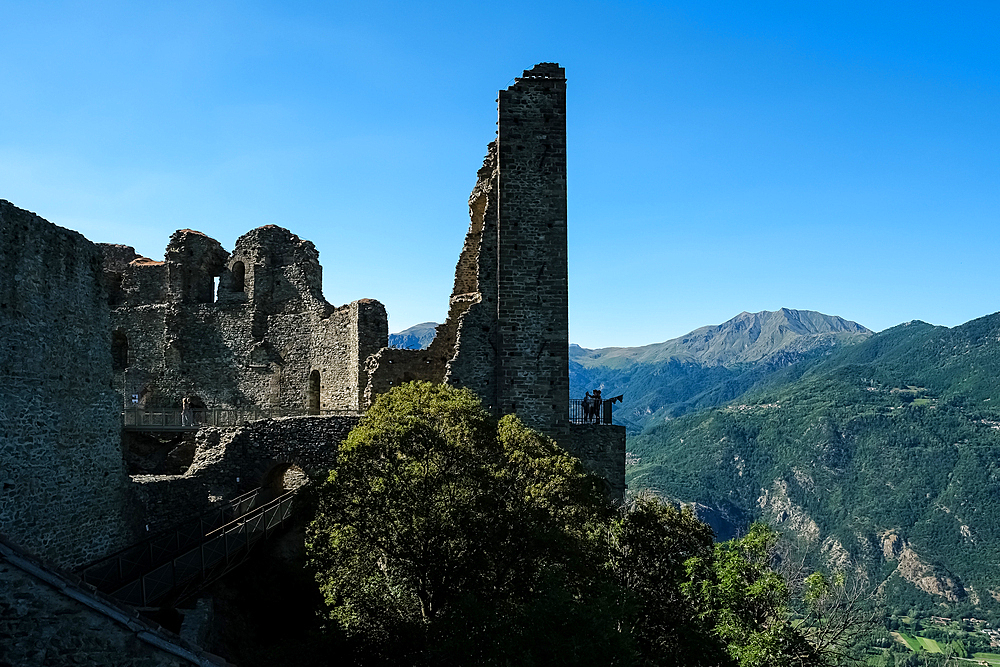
417, 337
709, 366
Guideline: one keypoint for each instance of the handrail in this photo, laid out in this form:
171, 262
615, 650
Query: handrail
149, 574
122, 565
222, 550
597, 414
177, 419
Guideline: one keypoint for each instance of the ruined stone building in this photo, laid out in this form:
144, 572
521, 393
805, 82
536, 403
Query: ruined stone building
93, 329
249, 328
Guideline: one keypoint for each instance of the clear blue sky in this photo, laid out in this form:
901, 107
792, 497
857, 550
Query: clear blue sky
841, 157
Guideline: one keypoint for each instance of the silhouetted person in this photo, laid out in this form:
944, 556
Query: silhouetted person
187, 414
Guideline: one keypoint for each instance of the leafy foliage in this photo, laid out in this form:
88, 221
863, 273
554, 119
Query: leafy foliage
445, 537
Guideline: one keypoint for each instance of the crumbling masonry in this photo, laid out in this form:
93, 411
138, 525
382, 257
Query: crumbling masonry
91, 330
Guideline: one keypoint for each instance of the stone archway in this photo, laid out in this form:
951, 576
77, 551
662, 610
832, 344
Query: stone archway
238, 277
283, 476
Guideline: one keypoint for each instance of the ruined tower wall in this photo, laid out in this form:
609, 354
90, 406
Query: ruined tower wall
474, 362
507, 332
463, 352
262, 339
533, 285
62, 475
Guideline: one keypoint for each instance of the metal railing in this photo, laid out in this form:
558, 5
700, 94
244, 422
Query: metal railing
174, 565
596, 414
112, 571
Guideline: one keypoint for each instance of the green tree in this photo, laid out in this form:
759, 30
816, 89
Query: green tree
745, 602
649, 544
447, 537
444, 536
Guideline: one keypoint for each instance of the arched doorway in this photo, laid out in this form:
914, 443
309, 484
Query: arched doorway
119, 350
312, 394
239, 274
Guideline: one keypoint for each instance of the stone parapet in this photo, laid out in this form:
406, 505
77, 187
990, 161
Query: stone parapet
601, 448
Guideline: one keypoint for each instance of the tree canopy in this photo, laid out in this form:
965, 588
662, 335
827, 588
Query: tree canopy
445, 536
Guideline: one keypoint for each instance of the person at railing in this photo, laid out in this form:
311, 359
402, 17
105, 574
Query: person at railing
187, 413
588, 403
595, 408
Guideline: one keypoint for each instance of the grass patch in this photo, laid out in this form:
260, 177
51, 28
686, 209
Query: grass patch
992, 658
929, 645
910, 642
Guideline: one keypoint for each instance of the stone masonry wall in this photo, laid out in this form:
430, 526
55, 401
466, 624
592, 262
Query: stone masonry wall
601, 448
62, 475
474, 362
49, 619
265, 338
463, 350
533, 293
229, 462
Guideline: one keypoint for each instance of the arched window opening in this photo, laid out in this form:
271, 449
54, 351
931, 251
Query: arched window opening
312, 396
239, 277
119, 350
283, 477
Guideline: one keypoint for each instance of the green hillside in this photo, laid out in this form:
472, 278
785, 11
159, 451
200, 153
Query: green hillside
882, 457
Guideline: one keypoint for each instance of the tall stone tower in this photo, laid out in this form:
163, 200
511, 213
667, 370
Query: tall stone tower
532, 290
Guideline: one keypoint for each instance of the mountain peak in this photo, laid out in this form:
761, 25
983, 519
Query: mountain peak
746, 338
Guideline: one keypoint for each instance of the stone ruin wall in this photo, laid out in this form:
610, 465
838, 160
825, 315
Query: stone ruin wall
533, 306
507, 332
230, 462
62, 476
255, 341
463, 350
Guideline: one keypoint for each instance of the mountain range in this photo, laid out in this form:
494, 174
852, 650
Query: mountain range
707, 367
880, 458
417, 337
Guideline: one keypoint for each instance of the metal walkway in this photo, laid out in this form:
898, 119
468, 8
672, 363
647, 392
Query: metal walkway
173, 565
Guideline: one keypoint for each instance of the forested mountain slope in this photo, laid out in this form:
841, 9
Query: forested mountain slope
882, 458
707, 367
